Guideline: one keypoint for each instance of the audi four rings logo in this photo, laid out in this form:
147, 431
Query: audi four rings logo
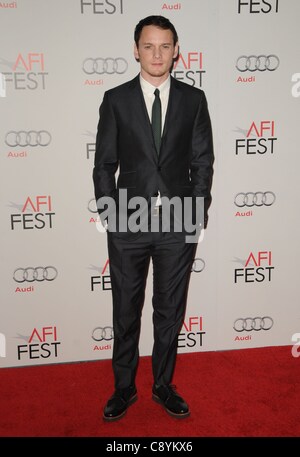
253, 323
254, 199
257, 63
92, 205
108, 66
198, 265
30, 138
103, 334
39, 274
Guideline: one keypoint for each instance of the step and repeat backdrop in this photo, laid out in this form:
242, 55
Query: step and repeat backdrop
57, 58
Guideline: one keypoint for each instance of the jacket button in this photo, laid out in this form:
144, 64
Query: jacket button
158, 168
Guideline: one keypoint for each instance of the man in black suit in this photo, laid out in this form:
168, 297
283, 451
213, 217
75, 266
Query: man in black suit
176, 163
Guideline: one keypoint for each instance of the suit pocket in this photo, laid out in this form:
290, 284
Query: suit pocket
127, 180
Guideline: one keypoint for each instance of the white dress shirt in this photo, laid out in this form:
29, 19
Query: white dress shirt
148, 92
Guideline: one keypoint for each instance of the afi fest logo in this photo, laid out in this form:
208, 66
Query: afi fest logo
91, 146
188, 67
2, 85
103, 7
192, 333
27, 72
36, 213
257, 268
102, 281
46, 344
258, 6
260, 139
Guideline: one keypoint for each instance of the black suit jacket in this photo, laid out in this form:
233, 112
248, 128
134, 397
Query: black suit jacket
184, 165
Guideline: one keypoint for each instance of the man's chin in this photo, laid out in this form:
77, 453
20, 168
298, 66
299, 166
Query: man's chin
157, 73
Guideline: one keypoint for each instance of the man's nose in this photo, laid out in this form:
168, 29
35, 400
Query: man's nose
157, 53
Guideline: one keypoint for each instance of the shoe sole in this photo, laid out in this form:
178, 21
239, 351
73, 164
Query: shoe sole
178, 416
115, 418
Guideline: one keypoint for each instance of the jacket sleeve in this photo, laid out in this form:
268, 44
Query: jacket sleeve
201, 167
106, 155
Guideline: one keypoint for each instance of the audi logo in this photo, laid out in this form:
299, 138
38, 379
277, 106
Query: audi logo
198, 265
257, 63
253, 323
101, 66
39, 274
30, 138
103, 334
254, 199
92, 205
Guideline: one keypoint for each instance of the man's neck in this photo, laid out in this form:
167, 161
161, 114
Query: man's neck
156, 81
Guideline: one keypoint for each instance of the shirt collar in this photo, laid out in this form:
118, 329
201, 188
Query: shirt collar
149, 88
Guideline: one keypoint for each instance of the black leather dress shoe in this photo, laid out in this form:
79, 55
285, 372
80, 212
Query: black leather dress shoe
118, 403
170, 400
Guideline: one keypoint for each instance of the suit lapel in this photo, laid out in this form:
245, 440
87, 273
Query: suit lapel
173, 108
140, 110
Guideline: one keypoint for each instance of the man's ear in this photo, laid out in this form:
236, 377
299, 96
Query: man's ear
136, 52
176, 51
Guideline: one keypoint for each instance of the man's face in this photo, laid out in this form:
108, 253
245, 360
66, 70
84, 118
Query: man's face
155, 52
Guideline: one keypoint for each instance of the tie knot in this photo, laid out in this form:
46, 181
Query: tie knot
156, 92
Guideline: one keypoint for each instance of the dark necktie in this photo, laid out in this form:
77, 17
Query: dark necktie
156, 120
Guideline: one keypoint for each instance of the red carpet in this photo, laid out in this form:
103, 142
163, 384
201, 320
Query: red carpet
242, 393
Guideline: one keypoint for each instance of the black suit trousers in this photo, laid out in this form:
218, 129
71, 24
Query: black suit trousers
172, 260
